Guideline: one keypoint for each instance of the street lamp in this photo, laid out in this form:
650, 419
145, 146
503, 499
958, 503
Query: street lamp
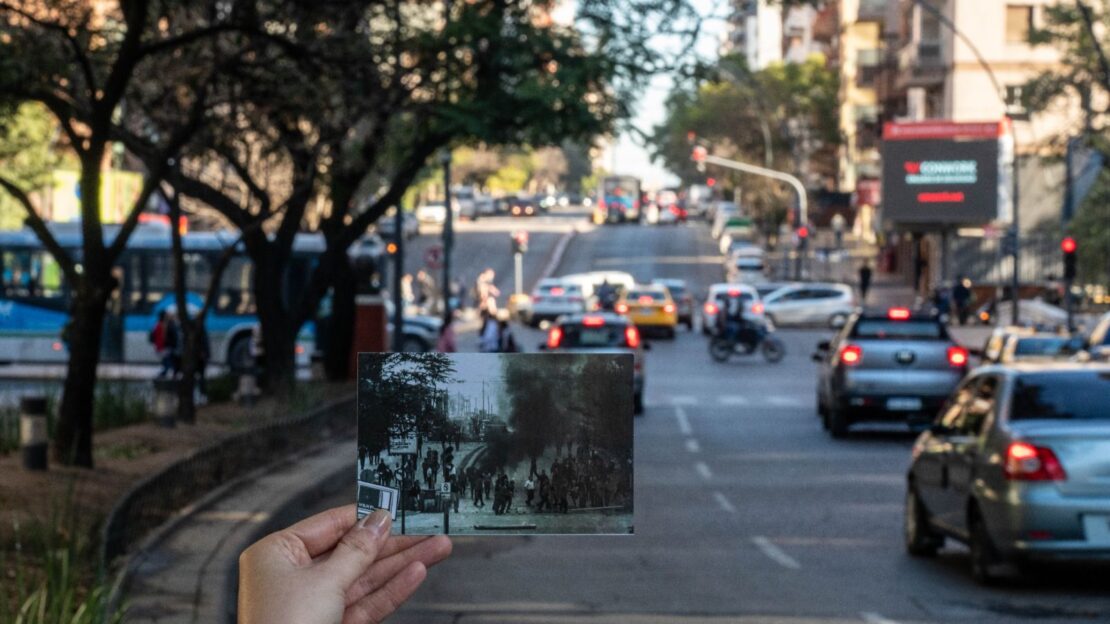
448, 232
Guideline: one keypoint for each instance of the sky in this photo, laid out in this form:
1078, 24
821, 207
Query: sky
628, 156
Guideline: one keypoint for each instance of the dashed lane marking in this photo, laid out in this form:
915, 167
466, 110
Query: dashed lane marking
733, 400
683, 421
775, 553
703, 470
692, 445
723, 503
874, 618
783, 401
684, 400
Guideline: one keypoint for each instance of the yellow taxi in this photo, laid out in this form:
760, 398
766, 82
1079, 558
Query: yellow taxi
649, 307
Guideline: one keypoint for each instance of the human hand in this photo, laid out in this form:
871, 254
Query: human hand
330, 569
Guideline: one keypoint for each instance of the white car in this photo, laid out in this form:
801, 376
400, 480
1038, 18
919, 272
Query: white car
826, 304
590, 281
554, 297
432, 213
747, 269
753, 306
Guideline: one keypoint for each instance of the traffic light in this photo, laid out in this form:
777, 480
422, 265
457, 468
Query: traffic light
803, 232
1069, 247
391, 248
520, 242
711, 182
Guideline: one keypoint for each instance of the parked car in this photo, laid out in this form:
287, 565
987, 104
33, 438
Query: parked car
887, 365
826, 304
435, 213
486, 206
1017, 466
601, 332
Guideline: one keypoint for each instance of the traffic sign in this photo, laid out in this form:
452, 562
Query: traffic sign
433, 257
445, 488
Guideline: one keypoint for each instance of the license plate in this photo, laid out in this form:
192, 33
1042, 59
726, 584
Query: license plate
903, 404
1097, 528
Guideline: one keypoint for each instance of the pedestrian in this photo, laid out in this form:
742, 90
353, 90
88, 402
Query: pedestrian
506, 342
203, 354
157, 337
172, 344
479, 499
529, 491
487, 482
488, 336
545, 494
961, 297
446, 342
864, 281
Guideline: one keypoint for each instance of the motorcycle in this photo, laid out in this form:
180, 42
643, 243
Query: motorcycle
745, 341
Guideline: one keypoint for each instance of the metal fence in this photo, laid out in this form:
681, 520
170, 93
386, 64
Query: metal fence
158, 498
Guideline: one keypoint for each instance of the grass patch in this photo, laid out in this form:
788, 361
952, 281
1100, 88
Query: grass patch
222, 387
116, 405
124, 450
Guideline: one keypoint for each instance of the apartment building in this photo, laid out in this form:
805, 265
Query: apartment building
764, 34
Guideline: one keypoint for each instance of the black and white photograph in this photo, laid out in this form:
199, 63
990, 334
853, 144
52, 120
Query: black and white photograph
497, 444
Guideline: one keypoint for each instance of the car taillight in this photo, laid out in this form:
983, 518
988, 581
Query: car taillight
1025, 462
622, 308
631, 337
757, 307
554, 337
850, 355
668, 308
557, 291
957, 356
645, 300
898, 314
537, 298
711, 309
593, 321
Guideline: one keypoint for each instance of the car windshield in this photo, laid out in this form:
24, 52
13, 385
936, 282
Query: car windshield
580, 336
1047, 346
890, 329
1070, 395
644, 296
743, 295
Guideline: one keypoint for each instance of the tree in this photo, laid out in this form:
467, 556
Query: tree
27, 155
82, 61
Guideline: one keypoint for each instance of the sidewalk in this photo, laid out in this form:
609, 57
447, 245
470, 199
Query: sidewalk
186, 574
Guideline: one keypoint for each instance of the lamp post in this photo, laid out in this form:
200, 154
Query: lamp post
448, 232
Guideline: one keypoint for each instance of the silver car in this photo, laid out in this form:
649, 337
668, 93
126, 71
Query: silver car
826, 304
1017, 466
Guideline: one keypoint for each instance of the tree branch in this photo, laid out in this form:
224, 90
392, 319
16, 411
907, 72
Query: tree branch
74, 45
1089, 24
36, 223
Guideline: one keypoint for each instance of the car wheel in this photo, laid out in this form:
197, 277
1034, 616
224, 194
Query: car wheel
412, 344
920, 540
984, 559
239, 353
838, 422
638, 403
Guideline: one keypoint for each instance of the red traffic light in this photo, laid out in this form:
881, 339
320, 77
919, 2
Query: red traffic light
803, 232
711, 181
1068, 245
699, 154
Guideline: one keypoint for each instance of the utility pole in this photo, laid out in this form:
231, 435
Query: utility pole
397, 338
448, 233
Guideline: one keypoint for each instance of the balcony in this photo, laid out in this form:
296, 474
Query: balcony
921, 64
871, 11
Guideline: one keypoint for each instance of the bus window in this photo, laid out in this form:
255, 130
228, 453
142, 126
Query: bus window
32, 275
234, 296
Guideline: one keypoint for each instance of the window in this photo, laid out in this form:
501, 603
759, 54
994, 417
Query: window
1071, 395
979, 407
907, 330
32, 276
1019, 22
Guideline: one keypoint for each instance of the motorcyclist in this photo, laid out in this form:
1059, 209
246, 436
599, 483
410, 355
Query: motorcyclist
734, 321
607, 295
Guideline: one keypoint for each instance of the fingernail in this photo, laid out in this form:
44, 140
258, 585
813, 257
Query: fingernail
378, 522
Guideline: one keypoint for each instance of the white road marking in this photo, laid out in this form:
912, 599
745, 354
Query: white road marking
704, 471
775, 553
874, 618
683, 422
784, 401
723, 502
684, 399
732, 399
692, 445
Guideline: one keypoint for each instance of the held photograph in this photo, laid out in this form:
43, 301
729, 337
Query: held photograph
496, 444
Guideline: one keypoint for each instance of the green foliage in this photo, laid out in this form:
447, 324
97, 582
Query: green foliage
1080, 71
221, 388
116, 405
401, 392
52, 579
27, 155
1091, 229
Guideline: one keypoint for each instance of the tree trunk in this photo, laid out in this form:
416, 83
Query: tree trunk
74, 429
341, 326
278, 334
186, 407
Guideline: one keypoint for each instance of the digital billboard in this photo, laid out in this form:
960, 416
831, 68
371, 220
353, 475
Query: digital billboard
945, 173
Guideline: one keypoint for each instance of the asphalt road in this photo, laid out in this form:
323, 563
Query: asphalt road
746, 511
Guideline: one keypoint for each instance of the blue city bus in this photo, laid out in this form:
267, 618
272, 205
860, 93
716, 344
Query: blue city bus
618, 200
34, 296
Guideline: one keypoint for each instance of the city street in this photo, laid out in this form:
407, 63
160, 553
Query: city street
746, 510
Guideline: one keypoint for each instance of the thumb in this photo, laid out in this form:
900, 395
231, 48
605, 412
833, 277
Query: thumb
358, 548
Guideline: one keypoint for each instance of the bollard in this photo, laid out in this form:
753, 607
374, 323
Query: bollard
32, 432
165, 402
248, 389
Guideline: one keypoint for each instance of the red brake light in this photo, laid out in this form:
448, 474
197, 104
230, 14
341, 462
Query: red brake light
644, 300
593, 321
622, 308
957, 356
711, 309
757, 307
632, 336
898, 314
734, 292
668, 308
554, 337
850, 355
1025, 462
557, 291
